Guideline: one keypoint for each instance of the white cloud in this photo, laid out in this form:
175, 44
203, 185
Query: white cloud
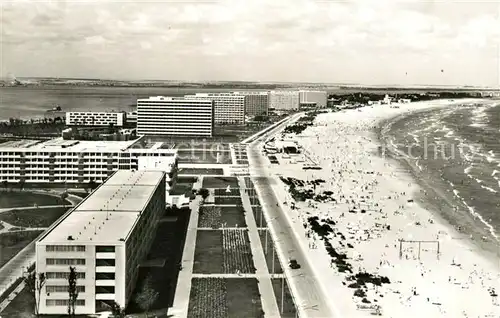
274, 37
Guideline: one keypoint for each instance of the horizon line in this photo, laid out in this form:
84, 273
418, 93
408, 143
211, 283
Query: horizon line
354, 85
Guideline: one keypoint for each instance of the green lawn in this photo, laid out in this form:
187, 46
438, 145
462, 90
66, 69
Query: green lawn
21, 306
181, 188
34, 217
12, 243
17, 198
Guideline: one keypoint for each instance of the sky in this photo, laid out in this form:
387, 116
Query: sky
372, 42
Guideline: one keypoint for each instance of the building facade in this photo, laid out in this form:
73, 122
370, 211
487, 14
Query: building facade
175, 116
229, 108
77, 162
131, 120
313, 98
284, 100
105, 238
97, 119
256, 103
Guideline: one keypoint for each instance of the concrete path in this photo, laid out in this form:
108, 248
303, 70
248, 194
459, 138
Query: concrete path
32, 207
17, 266
181, 301
11, 297
233, 154
269, 304
305, 286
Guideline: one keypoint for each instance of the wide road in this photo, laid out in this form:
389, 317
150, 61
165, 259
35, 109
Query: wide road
312, 302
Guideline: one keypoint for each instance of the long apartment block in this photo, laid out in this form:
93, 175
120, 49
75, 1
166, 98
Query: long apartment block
105, 238
73, 161
95, 119
229, 108
175, 116
256, 102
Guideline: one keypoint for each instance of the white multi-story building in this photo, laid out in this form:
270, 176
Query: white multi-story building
95, 119
175, 116
131, 120
256, 103
284, 100
78, 162
105, 237
313, 98
229, 108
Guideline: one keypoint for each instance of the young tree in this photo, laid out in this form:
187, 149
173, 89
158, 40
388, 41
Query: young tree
147, 295
21, 185
204, 193
117, 311
35, 285
72, 291
5, 184
63, 197
92, 185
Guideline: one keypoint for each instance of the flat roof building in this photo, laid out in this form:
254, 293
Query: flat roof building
78, 162
105, 238
284, 100
256, 103
313, 98
229, 108
175, 116
95, 119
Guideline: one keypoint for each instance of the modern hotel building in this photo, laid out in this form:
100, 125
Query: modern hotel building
78, 162
312, 98
96, 119
256, 103
175, 116
284, 100
105, 238
229, 108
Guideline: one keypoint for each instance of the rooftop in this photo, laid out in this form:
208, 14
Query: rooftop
229, 94
59, 144
110, 212
168, 98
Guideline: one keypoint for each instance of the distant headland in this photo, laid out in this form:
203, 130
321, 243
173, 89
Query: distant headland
77, 82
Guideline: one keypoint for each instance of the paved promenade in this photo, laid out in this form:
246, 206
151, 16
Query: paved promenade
183, 289
305, 286
269, 304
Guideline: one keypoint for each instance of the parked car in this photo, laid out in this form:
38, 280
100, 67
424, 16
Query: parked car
293, 264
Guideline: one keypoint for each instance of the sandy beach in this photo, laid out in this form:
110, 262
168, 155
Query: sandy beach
377, 222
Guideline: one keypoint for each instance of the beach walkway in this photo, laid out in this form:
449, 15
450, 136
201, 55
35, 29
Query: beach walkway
305, 286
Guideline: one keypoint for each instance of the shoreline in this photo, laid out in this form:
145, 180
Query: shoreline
439, 282
436, 200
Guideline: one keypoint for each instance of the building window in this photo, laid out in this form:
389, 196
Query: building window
63, 289
65, 261
105, 249
63, 302
65, 248
104, 262
63, 275
104, 289
104, 276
